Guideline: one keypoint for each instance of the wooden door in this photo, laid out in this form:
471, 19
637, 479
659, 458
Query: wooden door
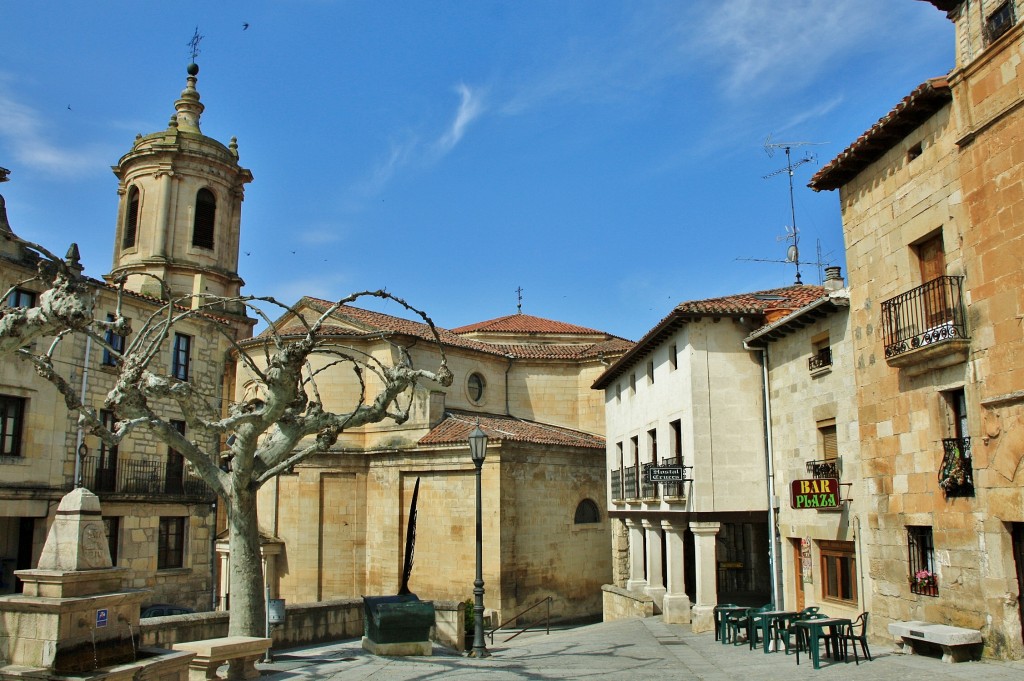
798, 575
931, 257
1018, 558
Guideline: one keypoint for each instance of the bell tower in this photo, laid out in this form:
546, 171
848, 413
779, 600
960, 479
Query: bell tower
179, 217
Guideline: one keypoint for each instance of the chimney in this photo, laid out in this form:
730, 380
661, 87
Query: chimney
833, 278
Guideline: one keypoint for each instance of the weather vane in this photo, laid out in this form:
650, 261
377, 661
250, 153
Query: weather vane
194, 44
519, 305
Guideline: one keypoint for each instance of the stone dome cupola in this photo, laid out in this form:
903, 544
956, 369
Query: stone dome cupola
179, 217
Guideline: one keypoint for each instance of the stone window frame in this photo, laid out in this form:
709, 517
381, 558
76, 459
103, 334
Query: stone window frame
170, 551
838, 558
12, 425
476, 387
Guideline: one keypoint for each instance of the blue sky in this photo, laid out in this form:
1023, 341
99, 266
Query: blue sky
607, 157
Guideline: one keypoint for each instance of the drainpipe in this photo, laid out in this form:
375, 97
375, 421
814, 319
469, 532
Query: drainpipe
770, 473
511, 358
80, 437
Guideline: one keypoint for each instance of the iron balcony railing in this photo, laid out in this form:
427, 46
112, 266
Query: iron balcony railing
648, 489
672, 489
825, 468
956, 474
820, 360
146, 479
630, 490
931, 313
616, 481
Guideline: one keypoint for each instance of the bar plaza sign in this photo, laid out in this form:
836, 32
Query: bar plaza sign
815, 493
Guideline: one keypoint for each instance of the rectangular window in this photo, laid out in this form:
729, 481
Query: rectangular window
652, 444
174, 471
632, 384
676, 427
21, 298
999, 21
650, 372
838, 571
106, 464
821, 354
112, 528
12, 422
116, 343
170, 551
618, 392
673, 357
921, 558
181, 356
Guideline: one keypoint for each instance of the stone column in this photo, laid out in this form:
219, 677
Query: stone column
707, 576
636, 581
675, 607
655, 579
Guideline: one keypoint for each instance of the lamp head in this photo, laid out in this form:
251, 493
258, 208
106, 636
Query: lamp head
478, 445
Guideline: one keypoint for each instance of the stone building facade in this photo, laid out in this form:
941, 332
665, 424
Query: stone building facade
690, 393
159, 517
335, 525
813, 431
933, 214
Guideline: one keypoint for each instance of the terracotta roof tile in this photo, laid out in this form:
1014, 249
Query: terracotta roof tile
367, 322
890, 130
457, 425
524, 323
758, 305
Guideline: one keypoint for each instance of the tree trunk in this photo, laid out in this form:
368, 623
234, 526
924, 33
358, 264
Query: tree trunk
247, 614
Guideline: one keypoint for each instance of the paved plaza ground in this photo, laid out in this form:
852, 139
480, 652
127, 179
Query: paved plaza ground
633, 650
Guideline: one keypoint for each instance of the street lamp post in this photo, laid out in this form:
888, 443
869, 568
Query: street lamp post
478, 449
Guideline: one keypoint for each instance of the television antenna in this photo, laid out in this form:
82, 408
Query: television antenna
819, 263
792, 233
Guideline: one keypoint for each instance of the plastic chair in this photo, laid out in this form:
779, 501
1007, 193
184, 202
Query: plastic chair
856, 632
735, 622
716, 613
803, 643
753, 628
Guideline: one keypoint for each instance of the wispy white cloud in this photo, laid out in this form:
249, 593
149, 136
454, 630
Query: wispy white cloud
24, 133
471, 105
408, 149
763, 46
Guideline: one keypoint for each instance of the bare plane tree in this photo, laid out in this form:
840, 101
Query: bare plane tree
263, 436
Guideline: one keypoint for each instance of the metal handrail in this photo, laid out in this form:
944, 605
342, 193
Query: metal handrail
547, 621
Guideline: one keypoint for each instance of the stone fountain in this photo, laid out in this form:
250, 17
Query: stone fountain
74, 618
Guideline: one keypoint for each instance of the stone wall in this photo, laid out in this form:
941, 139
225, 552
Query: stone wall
620, 604
304, 624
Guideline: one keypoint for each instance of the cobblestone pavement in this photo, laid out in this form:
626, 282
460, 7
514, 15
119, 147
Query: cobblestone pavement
634, 650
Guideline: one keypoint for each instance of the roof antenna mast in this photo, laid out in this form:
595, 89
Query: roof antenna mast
792, 233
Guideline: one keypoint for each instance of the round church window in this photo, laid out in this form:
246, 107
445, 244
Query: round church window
475, 387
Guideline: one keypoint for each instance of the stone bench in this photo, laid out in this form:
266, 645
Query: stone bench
239, 652
957, 643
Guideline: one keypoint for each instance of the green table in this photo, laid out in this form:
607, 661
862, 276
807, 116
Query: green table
815, 630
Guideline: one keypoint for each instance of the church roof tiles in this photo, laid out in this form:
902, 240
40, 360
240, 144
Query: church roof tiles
457, 425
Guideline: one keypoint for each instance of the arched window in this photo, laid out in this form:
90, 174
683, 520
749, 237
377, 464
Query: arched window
587, 512
202, 225
131, 219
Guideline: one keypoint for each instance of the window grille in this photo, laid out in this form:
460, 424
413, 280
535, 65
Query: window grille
921, 557
999, 22
587, 512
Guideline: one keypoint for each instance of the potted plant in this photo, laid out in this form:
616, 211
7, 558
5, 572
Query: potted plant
924, 580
